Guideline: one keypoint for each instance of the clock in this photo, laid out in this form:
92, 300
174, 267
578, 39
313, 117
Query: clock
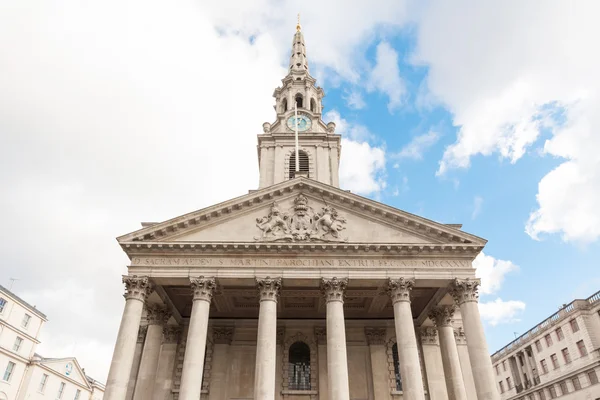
68, 368
304, 123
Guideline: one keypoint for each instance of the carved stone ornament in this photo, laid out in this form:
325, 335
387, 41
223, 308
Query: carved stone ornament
428, 335
171, 333
301, 223
268, 289
222, 334
203, 288
463, 290
334, 289
459, 335
321, 334
157, 314
142, 333
137, 287
375, 336
399, 289
442, 315
280, 334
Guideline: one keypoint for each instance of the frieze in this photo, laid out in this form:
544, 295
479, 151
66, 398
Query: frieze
240, 262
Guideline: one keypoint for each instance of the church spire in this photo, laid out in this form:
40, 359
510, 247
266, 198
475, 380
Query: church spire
298, 60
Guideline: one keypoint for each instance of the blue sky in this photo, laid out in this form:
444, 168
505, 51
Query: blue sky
122, 111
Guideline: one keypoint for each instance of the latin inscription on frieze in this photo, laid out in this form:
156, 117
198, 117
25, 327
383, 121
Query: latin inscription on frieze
295, 262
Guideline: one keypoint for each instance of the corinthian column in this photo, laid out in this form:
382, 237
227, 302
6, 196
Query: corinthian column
137, 290
465, 293
193, 361
442, 318
379, 365
266, 342
166, 363
408, 355
337, 359
434, 368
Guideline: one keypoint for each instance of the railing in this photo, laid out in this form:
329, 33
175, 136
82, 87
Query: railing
568, 308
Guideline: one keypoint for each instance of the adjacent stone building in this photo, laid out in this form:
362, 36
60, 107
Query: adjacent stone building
27, 375
300, 290
558, 358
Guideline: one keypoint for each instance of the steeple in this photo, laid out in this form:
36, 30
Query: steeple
318, 145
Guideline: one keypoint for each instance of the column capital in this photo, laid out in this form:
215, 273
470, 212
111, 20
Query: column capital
334, 289
157, 314
268, 288
464, 290
399, 289
222, 334
142, 333
459, 335
321, 334
428, 335
442, 315
203, 288
375, 335
137, 287
171, 333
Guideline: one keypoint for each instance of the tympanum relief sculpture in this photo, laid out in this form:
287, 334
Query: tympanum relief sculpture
301, 223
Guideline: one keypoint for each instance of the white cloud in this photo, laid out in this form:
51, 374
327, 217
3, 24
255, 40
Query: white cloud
501, 312
385, 75
477, 205
352, 131
529, 69
355, 100
418, 146
491, 271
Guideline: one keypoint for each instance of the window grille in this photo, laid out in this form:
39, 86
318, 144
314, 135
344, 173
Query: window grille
303, 164
397, 367
2, 304
299, 366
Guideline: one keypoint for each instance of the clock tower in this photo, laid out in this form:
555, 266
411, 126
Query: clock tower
319, 146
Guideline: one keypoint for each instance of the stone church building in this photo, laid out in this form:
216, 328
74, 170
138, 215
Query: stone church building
300, 290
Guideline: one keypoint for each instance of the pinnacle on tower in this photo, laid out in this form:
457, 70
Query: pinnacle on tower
298, 60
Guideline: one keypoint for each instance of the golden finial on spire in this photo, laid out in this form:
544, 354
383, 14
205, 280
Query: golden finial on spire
298, 26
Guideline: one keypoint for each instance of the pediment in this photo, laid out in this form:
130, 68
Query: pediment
67, 367
302, 211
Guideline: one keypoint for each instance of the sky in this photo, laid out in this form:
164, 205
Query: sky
112, 113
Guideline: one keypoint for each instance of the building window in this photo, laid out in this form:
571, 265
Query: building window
77, 394
2, 305
61, 390
501, 387
313, 105
548, 340
299, 366
566, 355
10, 367
554, 361
542, 394
42, 386
504, 365
284, 106
397, 367
552, 392
563, 388
538, 346
299, 100
576, 383
559, 334
544, 366
593, 377
18, 343
509, 383
26, 320
497, 370
303, 163
582, 349
574, 325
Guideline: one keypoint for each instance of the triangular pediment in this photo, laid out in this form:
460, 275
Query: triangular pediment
67, 367
302, 211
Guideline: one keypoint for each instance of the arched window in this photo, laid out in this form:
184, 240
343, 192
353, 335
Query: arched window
284, 105
313, 105
396, 367
299, 366
299, 100
303, 158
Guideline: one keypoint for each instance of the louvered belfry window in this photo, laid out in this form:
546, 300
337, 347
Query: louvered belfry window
299, 366
303, 163
397, 367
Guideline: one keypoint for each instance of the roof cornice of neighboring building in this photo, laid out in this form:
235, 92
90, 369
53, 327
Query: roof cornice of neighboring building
23, 303
565, 311
19, 332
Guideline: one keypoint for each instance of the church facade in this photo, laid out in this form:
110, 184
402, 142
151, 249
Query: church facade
300, 290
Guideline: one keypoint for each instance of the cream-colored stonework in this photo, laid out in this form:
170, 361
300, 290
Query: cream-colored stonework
301, 290
572, 335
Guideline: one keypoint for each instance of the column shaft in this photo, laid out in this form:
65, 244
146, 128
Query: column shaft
166, 363
137, 290
193, 360
379, 363
337, 358
321, 335
434, 368
266, 341
222, 336
465, 293
137, 357
465, 363
408, 355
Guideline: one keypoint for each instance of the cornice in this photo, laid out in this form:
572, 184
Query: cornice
151, 236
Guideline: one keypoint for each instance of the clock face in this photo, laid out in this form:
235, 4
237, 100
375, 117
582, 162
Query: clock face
68, 368
304, 123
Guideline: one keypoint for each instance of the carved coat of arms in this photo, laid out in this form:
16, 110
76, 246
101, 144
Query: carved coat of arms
301, 223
